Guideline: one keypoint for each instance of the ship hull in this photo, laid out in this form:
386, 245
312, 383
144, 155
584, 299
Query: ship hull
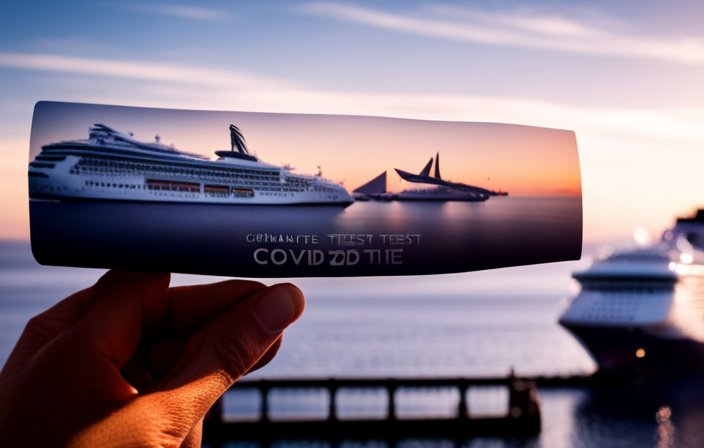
234, 202
639, 350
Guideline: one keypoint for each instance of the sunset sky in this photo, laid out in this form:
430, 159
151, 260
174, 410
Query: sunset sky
525, 161
625, 76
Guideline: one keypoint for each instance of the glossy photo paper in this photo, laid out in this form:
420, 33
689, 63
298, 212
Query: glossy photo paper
289, 195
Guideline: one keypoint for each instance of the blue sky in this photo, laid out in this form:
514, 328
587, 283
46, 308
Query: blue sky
626, 76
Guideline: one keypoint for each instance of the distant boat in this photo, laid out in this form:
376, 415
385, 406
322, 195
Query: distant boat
642, 311
111, 165
431, 188
442, 191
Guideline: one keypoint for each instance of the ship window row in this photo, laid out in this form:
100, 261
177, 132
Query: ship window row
104, 164
50, 158
281, 189
181, 187
277, 194
90, 183
190, 187
248, 180
41, 165
115, 168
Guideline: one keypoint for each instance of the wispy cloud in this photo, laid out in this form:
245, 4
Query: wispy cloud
180, 11
197, 87
523, 30
135, 70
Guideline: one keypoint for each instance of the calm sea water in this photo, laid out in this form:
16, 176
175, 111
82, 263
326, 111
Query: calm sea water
475, 324
367, 238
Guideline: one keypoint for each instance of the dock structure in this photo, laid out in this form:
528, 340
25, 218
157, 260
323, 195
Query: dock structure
521, 419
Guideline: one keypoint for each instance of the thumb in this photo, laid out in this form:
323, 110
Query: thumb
226, 348
213, 358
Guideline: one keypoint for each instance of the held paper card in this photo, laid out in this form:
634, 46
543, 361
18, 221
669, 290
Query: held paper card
291, 195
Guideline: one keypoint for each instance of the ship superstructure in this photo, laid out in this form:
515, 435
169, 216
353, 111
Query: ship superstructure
111, 165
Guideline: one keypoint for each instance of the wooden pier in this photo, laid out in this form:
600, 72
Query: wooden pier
522, 417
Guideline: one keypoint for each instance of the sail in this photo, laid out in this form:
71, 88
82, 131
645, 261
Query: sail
437, 166
426, 170
374, 186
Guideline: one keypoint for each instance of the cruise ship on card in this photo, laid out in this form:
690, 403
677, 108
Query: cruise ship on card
111, 165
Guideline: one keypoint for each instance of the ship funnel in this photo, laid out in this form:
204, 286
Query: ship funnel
237, 140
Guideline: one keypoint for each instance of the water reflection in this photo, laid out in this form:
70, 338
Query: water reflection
396, 238
666, 430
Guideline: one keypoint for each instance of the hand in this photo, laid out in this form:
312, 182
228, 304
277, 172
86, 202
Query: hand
132, 362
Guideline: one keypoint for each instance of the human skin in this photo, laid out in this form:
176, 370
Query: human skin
132, 362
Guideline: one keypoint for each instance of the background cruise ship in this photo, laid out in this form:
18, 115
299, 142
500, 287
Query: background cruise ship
642, 311
111, 165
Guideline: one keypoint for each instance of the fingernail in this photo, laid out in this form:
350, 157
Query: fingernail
276, 309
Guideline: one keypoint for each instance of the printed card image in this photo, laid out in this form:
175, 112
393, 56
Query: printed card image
287, 195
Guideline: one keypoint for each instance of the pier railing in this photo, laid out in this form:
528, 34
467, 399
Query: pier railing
522, 416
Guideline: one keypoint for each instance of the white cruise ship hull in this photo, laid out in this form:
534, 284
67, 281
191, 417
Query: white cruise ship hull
59, 185
627, 331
